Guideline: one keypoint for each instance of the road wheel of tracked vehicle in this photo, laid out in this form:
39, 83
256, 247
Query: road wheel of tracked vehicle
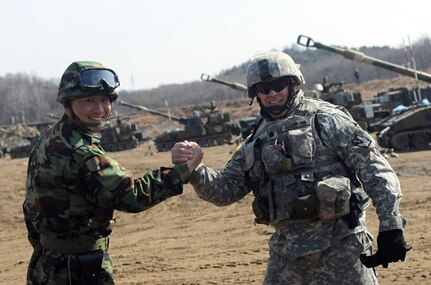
204, 143
401, 142
211, 142
160, 147
220, 141
420, 141
167, 146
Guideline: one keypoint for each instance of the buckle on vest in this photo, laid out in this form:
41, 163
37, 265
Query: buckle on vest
307, 176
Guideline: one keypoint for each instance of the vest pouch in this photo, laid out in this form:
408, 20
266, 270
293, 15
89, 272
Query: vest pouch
302, 146
305, 207
261, 210
334, 195
272, 158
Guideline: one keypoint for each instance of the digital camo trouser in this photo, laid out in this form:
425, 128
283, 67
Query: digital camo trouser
339, 264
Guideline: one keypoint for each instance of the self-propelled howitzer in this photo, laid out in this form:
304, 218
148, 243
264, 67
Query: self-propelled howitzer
23, 148
208, 129
246, 124
362, 58
117, 135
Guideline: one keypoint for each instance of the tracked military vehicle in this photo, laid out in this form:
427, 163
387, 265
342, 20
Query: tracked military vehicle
208, 129
23, 147
375, 111
410, 130
21, 151
118, 134
246, 124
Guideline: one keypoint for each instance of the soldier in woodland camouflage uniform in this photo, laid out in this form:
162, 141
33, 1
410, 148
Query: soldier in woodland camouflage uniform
311, 169
73, 187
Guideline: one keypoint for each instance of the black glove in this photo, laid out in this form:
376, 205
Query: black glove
391, 247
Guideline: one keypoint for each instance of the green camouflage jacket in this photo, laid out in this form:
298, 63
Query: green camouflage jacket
73, 187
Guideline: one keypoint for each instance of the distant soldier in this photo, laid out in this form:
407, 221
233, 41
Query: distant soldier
213, 106
195, 125
356, 74
73, 186
311, 168
325, 83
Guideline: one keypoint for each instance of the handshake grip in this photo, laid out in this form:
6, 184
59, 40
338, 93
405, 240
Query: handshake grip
391, 247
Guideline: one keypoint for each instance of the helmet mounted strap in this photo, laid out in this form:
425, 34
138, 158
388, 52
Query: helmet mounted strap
264, 70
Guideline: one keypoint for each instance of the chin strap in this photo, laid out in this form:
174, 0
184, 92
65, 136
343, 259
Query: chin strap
266, 112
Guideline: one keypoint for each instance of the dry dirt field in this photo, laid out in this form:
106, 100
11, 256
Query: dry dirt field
185, 240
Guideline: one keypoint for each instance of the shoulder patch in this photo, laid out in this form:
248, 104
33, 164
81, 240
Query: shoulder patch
361, 141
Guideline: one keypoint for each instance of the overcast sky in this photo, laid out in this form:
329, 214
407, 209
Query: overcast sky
154, 42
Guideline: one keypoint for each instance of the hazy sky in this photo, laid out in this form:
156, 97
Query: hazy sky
154, 42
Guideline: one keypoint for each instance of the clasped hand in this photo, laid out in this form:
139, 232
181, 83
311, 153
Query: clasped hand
189, 152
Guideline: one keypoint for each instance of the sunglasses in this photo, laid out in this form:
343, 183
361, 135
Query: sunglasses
265, 88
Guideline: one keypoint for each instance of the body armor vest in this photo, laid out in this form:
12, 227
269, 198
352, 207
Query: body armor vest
285, 161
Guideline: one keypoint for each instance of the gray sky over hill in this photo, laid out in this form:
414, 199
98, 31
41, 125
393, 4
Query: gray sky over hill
154, 42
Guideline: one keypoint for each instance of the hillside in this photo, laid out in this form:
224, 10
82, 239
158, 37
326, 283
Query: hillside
237, 108
27, 98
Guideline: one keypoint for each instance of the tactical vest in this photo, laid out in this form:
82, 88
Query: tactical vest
286, 162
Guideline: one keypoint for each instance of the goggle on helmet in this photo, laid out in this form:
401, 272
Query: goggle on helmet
86, 78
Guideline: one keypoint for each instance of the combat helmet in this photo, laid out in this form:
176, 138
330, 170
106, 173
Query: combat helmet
270, 65
87, 78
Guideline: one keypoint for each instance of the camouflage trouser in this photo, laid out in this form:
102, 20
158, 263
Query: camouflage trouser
53, 268
339, 264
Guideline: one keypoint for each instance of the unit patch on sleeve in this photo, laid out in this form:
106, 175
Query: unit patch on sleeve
361, 141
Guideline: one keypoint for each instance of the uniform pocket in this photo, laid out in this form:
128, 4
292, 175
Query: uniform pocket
334, 196
303, 147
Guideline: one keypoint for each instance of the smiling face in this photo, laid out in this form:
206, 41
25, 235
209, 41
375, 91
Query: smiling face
92, 110
273, 98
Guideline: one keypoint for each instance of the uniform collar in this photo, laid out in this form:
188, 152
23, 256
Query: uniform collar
91, 137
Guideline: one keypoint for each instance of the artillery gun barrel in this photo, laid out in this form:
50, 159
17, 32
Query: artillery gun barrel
151, 111
51, 115
362, 58
234, 85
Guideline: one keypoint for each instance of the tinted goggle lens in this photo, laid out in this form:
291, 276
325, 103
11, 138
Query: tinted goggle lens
96, 78
276, 85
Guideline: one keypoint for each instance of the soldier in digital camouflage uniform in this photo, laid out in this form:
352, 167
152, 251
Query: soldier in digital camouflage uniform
311, 169
73, 186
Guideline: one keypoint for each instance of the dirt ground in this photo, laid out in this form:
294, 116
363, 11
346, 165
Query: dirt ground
185, 240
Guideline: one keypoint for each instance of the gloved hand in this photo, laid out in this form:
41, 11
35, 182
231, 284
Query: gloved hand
391, 247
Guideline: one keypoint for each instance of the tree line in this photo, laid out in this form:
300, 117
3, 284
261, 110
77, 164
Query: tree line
28, 98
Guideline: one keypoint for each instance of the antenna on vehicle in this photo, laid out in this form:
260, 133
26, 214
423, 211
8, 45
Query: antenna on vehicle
169, 111
418, 95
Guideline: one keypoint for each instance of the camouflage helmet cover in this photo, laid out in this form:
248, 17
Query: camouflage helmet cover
68, 78
269, 65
